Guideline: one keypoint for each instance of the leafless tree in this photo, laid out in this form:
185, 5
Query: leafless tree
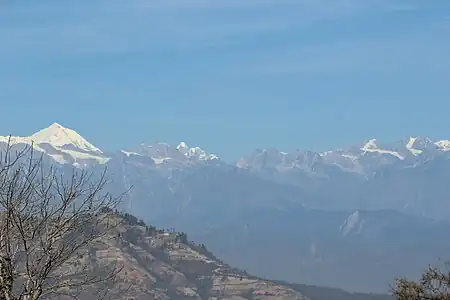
48, 222
434, 284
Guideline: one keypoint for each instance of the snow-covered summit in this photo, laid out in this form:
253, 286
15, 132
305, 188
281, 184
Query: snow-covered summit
59, 136
443, 145
195, 152
162, 153
181, 146
418, 144
62, 144
370, 145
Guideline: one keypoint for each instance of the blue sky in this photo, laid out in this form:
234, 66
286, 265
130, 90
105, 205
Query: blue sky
229, 76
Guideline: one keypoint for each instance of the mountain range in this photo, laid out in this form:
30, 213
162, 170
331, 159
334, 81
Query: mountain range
349, 218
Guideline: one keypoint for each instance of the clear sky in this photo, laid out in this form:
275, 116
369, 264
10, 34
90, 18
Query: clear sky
229, 75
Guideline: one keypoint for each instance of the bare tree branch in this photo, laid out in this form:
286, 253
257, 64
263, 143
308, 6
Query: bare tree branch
48, 221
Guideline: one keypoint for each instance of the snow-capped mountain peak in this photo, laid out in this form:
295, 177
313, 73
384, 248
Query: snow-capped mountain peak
410, 146
370, 145
59, 136
443, 145
62, 144
196, 152
162, 153
182, 145
411, 142
416, 145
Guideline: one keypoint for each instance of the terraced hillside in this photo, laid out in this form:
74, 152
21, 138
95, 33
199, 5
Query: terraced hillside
164, 264
159, 264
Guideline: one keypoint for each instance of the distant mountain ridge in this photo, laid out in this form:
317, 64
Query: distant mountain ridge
66, 146
66, 140
347, 211
360, 159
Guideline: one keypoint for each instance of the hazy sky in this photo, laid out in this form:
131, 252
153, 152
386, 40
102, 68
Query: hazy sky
228, 75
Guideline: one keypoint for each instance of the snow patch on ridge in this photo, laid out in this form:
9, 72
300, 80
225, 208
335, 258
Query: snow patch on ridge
410, 146
371, 146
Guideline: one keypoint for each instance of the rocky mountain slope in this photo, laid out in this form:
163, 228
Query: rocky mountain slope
311, 215
161, 264
164, 264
